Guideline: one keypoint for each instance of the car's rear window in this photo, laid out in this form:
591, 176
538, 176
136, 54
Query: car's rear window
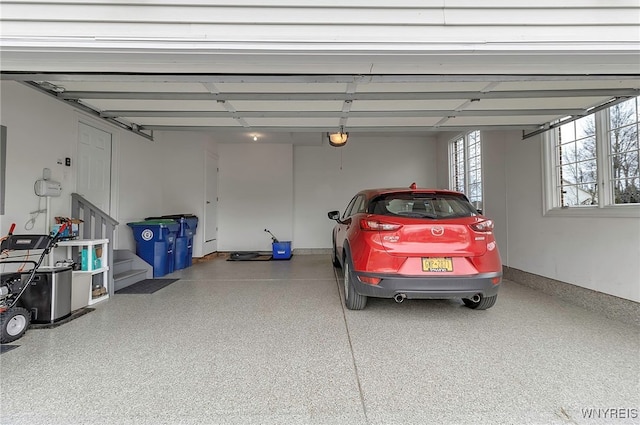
422, 205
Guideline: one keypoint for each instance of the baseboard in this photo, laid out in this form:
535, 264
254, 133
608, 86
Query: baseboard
612, 307
312, 251
298, 251
207, 257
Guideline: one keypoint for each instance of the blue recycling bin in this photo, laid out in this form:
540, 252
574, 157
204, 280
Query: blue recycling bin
184, 238
184, 245
155, 244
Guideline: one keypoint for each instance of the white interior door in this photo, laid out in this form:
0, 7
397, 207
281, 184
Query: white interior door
94, 166
211, 206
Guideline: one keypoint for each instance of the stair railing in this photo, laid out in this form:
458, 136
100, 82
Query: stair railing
96, 224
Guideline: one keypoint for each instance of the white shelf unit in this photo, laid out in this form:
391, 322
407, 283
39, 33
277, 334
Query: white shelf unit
83, 278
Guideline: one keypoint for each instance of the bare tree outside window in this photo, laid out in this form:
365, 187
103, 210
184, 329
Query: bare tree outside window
466, 166
458, 164
578, 168
474, 168
624, 153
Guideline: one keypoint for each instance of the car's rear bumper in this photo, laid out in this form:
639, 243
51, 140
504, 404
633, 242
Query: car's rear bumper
432, 287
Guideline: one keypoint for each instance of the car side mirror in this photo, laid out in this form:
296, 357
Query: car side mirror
334, 215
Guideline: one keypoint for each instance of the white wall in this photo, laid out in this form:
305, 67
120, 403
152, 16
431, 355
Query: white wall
495, 185
289, 190
149, 178
162, 177
597, 253
38, 134
326, 178
255, 190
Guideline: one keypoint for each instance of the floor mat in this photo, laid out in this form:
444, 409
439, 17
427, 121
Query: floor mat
6, 347
74, 315
250, 256
147, 286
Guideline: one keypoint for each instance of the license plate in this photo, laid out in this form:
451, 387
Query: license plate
437, 264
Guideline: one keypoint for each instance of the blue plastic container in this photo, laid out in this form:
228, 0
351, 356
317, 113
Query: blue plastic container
281, 250
184, 245
188, 223
155, 244
191, 226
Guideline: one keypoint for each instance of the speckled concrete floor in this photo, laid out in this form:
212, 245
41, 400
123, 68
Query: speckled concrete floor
270, 343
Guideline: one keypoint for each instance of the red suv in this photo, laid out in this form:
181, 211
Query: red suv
416, 243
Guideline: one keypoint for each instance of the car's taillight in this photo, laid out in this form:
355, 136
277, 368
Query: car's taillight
370, 224
483, 226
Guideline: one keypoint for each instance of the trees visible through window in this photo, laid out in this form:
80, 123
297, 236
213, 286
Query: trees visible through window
577, 169
466, 166
596, 158
458, 172
624, 152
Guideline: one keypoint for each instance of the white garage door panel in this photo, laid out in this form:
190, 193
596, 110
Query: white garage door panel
400, 121
192, 121
154, 105
277, 105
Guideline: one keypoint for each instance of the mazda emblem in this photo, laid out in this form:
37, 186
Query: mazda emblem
437, 230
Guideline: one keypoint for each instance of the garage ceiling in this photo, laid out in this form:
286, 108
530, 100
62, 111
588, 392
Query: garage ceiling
244, 106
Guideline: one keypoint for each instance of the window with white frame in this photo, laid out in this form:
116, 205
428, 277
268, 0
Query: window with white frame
465, 160
595, 159
576, 168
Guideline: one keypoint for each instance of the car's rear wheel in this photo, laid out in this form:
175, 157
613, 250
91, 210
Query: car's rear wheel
352, 299
483, 304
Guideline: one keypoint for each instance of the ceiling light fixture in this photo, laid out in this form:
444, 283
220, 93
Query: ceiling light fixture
255, 138
338, 139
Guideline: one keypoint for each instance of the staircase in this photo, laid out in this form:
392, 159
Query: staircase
128, 269
96, 224
125, 268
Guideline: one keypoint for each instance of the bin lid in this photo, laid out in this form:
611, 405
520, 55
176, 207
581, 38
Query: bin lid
173, 217
161, 222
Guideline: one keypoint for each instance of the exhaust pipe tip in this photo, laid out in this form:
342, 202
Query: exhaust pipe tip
399, 297
476, 298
